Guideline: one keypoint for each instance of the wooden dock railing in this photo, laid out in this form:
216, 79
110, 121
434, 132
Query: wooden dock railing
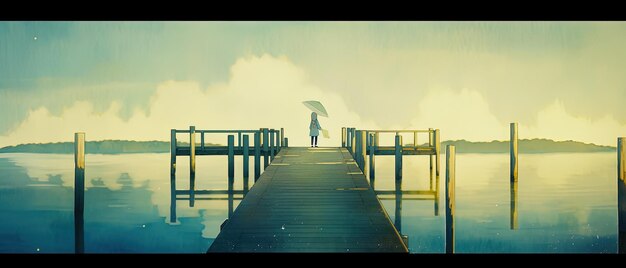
267, 143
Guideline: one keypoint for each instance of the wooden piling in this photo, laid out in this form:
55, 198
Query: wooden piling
430, 144
265, 148
450, 204
343, 137
621, 194
437, 151
192, 165
513, 152
257, 155
398, 154
272, 145
231, 160
282, 137
357, 147
372, 164
173, 176
279, 140
363, 150
79, 192
353, 142
246, 161
286, 142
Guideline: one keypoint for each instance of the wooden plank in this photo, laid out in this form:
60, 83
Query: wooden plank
313, 201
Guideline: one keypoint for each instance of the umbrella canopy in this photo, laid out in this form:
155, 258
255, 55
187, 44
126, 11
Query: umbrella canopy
317, 107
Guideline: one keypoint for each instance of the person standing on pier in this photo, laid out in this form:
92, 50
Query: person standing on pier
314, 129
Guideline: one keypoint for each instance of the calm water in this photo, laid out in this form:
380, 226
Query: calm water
565, 203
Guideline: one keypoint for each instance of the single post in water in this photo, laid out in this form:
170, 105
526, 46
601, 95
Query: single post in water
450, 204
79, 192
513, 152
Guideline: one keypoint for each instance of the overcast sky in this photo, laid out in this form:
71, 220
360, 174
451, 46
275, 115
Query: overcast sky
136, 80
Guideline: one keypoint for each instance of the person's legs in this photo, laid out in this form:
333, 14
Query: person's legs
315, 141
312, 137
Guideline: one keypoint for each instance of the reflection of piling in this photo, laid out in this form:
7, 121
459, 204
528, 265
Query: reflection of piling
436, 194
513, 152
514, 205
79, 192
257, 155
621, 194
173, 176
398, 154
246, 161
192, 165
398, 214
372, 164
231, 160
450, 204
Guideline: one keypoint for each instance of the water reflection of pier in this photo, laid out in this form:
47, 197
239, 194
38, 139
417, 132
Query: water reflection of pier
400, 195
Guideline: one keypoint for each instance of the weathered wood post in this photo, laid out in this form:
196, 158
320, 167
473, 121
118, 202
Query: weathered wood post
272, 145
265, 148
282, 137
353, 141
450, 204
621, 194
343, 137
430, 144
357, 147
192, 165
513, 152
79, 192
202, 140
437, 151
513, 205
231, 161
372, 159
415, 139
246, 161
348, 139
363, 150
257, 155
173, 175
398, 154
286, 142
279, 140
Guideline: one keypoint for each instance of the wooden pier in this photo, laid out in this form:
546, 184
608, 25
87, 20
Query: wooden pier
310, 200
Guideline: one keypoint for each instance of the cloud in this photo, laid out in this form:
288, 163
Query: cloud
267, 91
263, 91
467, 115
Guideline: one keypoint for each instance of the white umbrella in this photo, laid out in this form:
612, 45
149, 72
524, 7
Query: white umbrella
317, 107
